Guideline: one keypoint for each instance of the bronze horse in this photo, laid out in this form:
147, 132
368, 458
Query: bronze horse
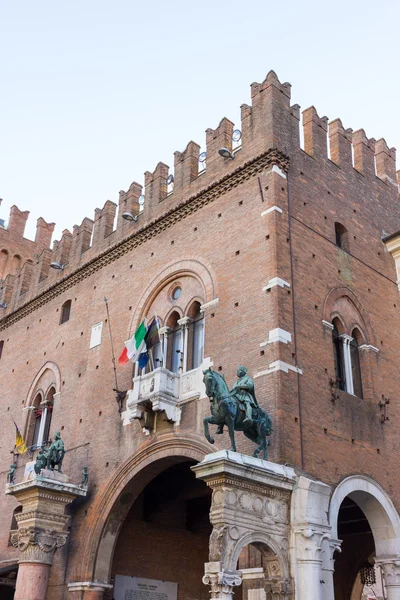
225, 411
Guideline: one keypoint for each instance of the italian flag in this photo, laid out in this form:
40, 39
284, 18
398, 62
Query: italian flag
135, 346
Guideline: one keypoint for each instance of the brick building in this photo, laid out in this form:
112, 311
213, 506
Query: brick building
266, 254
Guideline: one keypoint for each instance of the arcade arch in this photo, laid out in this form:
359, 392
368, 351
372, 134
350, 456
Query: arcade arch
123, 490
363, 516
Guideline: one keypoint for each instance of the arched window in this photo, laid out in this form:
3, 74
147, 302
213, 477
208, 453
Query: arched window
175, 343
347, 360
355, 363
196, 337
42, 418
16, 264
3, 263
341, 236
65, 312
338, 356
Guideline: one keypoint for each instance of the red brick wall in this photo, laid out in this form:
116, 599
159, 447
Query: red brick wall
242, 251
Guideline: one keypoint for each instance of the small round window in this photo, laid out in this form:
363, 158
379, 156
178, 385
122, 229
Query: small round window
176, 293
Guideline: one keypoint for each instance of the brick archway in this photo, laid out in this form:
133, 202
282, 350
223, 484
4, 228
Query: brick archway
117, 496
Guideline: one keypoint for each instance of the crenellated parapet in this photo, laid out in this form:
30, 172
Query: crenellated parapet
15, 249
269, 124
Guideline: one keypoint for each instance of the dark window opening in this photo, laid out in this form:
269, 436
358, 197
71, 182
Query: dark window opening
339, 358
341, 236
65, 312
1, 347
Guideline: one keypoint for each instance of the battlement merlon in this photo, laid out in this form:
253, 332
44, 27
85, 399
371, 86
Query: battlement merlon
269, 123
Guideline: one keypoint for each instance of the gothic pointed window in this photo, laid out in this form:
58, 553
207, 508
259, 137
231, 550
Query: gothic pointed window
355, 364
338, 357
195, 348
175, 343
341, 236
65, 312
42, 418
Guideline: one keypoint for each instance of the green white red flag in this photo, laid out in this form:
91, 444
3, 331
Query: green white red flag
135, 346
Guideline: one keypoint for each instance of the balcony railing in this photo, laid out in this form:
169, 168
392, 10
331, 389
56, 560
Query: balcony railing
162, 390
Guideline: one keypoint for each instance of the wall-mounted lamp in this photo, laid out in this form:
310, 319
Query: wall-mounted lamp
128, 216
225, 153
57, 266
170, 179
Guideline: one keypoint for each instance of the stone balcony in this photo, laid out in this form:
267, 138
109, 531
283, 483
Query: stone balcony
164, 391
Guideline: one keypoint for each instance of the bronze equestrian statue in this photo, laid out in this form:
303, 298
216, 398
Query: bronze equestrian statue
238, 409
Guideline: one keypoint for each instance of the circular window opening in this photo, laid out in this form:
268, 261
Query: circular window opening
176, 293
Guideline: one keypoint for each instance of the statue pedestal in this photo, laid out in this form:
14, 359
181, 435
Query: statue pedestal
250, 505
42, 528
282, 513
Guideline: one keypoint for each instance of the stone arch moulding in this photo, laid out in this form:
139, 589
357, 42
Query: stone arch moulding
260, 538
380, 511
57, 375
364, 323
192, 267
95, 562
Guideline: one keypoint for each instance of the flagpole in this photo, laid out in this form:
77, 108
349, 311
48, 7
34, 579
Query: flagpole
120, 395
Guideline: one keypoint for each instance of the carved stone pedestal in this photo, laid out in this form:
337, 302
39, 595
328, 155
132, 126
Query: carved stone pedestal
42, 528
250, 505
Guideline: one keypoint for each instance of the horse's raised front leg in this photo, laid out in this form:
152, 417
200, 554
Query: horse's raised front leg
206, 421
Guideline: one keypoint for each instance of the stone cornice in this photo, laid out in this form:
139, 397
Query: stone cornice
154, 227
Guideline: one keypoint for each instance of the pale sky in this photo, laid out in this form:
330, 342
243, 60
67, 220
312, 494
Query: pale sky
95, 92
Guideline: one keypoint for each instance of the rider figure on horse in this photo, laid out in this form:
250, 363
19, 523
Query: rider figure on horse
243, 391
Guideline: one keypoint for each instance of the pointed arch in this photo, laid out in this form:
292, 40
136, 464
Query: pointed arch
191, 267
51, 366
356, 317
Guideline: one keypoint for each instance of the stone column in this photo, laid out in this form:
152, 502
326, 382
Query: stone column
346, 340
164, 332
309, 563
42, 528
184, 323
391, 575
329, 547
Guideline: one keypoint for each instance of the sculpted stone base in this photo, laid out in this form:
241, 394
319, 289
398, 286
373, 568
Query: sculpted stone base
282, 514
42, 528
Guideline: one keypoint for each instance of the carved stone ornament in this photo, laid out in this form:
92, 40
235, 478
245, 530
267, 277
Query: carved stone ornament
309, 545
217, 542
221, 583
37, 545
391, 572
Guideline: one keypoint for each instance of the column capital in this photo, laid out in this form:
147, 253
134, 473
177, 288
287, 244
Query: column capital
184, 322
204, 308
309, 544
165, 330
391, 571
346, 338
37, 545
221, 581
